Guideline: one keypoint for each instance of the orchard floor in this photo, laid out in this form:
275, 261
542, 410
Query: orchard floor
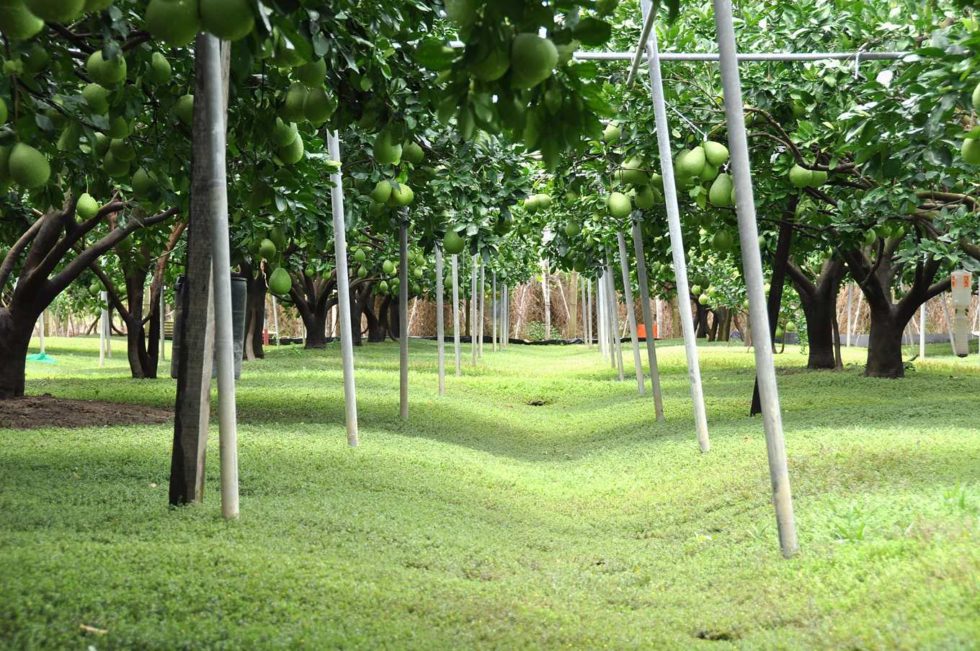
488, 522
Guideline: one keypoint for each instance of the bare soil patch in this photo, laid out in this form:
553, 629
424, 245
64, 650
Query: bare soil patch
35, 412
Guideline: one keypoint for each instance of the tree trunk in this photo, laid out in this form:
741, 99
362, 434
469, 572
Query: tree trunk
394, 320
885, 345
377, 328
15, 338
820, 332
701, 319
254, 313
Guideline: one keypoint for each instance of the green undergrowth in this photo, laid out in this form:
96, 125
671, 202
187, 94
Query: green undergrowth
537, 505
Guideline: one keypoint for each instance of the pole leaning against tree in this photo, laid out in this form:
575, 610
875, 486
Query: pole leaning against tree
493, 310
641, 274
617, 341
473, 308
482, 306
752, 266
676, 236
403, 314
343, 292
631, 313
441, 320
213, 107
457, 347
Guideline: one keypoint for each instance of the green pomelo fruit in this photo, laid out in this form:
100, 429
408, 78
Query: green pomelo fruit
160, 71
412, 152
462, 12
532, 60
386, 152
360, 255
720, 193
494, 66
96, 97
971, 151
362, 272
87, 207
267, 249
381, 192
114, 167
55, 11
17, 22
715, 152
612, 133
294, 106
572, 229
690, 163
382, 287
118, 127
452, 243
101, 144
28, 167
723, 241
283, 133
292, 153
800, 177
70, 135
184, 108
818, 178
104, 72
175, 22
388, 267
402, 195
619, 205
280, 282
976, 98
318, 107
3, 111
122, 150
229, 20
312, 74
709, 173
143, 183
647, 197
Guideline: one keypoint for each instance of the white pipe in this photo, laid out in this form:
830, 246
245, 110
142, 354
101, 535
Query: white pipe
441, 320
343, 292
752, 267
616, 339
209, 52
546, 297
457, 347
922, 330
641, 274
747, 56
493, 310
676, 237
588, 307
403, 314
473, 311
631, 314
850, 300
104, 297
163, 322
482, 305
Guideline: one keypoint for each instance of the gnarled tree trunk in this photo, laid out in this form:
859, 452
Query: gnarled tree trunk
819, 301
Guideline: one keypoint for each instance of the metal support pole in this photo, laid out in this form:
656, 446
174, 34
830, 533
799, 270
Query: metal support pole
752, 266
922, 330
616, 339
473, 310
41, 332
275, 316
403, 313
850, 300
104, 297
505, 324
631, 314
493, 310
483, 306
600, 286
441, 320
546, 297
588, 309
343, 292
457, 348
163, 321
214, 103
676, 237
641, 274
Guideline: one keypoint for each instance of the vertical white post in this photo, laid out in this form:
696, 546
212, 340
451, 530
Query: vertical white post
631, 314
441, 320
660, 313
103, 317
493, 310
343, 292
483, 306
600, 286
506, 316
473, 310
588, 309
949, 323
752, 269
403, 313
163, 322
42, 332
922, 330
850, 300
457, 347
214, 104
676, 237
585, 329
641, 274
616, 339
546, 297
275, 314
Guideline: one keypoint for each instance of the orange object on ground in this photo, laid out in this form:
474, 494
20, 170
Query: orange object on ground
641, 331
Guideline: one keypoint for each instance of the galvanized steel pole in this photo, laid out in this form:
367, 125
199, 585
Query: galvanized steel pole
631, 313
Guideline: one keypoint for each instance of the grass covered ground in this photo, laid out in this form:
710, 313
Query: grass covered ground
488, 522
